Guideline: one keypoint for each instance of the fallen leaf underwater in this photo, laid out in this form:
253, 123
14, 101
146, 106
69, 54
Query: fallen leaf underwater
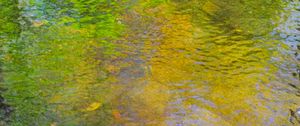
149, 62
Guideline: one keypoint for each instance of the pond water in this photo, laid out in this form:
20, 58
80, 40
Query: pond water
155, 62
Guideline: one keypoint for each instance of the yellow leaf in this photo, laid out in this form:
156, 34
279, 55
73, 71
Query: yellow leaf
37, 23
53, 124
93, 106
210, 7
116, 114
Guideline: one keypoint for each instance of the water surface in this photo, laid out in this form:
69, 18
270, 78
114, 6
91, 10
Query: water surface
156, 63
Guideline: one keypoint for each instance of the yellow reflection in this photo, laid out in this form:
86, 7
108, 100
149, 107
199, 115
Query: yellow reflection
206, 73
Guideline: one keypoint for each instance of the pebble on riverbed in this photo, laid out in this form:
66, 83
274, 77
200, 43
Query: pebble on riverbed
295, 116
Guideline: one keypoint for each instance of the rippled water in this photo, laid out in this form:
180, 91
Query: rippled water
136, 63
203, 71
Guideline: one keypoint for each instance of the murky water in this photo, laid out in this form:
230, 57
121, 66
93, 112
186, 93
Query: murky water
136, 63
